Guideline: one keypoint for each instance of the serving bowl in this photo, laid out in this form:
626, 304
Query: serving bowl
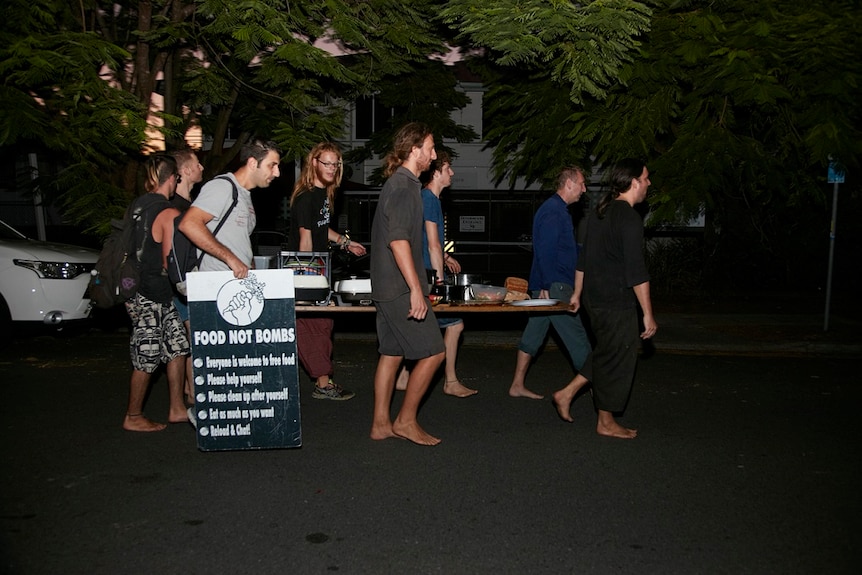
487, 293
353, 285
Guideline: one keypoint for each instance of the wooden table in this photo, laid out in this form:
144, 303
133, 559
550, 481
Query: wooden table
442, 308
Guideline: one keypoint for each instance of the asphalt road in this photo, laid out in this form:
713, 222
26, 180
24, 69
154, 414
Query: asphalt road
742, 465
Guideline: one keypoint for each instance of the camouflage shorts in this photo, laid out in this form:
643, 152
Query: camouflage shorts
158, 333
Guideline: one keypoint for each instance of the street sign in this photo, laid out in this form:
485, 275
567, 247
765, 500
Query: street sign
835, 174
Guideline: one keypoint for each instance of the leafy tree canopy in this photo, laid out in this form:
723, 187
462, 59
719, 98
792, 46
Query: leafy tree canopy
79, 79
736, 106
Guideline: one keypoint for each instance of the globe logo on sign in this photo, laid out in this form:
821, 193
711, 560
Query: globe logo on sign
240, 302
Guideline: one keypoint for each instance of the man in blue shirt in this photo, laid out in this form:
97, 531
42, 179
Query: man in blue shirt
555, 255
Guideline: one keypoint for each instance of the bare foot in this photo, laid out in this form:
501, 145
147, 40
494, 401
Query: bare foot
401, 382
563, 402
457, 389
616, 430
382, 431
178, 417
140, 423
414, 433
521, 391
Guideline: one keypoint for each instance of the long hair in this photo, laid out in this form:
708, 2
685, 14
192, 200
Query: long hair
160, 167
619, 181
409, 136
306, 179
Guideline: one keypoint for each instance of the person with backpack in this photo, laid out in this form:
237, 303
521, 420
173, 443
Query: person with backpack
232, 249
157, 333
311, 205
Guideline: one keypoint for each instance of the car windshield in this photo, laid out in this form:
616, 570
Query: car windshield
7, 232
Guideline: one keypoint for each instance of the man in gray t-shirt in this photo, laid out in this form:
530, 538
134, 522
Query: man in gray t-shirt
406, 325
232, 249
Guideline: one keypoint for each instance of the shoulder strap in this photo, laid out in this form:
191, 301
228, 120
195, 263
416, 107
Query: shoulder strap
224, 217
130, 229
134, 214
232, 205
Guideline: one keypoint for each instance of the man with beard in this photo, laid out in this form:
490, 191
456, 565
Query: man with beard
232, 249
311, 207
406, 325
613, 280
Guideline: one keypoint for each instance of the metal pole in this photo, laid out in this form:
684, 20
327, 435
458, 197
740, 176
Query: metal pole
831, 255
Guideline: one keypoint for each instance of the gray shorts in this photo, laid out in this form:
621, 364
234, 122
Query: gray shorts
158, 334
399, 336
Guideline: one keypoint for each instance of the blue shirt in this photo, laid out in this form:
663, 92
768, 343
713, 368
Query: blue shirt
555, 252
432, 211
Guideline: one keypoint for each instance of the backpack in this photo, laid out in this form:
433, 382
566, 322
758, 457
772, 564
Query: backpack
184, 257
117, 274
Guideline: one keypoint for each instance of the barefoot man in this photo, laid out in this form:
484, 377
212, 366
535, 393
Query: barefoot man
613, 278
158, 335
406, 325
552, 275
437, 178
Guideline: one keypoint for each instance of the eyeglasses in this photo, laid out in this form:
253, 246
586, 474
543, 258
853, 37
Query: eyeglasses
329, 164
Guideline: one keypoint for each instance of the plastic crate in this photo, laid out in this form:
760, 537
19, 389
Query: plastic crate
312, 275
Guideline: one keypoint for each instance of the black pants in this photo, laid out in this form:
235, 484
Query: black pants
611, 366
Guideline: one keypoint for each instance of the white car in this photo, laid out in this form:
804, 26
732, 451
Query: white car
42, 282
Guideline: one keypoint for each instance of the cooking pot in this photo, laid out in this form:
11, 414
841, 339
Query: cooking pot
354, 291
464, 279
453, 293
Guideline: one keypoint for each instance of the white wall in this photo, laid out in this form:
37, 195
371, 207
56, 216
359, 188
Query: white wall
472, 167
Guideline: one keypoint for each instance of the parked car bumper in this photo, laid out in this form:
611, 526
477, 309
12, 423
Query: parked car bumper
53, 301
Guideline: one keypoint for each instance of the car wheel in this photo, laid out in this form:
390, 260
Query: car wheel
5, 323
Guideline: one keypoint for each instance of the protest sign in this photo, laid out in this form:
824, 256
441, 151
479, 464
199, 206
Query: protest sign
243, 336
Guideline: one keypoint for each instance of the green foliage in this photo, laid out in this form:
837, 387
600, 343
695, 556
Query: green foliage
736, 106
57, 102
580, 45
79, 79
676, 265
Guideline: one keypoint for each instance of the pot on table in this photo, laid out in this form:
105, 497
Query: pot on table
353, 291
452, 293
460, 286
464, 279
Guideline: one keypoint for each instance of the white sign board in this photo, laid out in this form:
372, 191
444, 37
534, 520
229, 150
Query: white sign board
471, 223
243, 336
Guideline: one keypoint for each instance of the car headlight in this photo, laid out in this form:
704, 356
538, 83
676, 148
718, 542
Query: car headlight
55, 270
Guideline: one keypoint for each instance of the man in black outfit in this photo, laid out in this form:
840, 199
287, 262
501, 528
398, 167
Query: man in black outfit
613, 279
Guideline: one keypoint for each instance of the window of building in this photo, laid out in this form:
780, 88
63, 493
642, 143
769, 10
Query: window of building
371, 116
